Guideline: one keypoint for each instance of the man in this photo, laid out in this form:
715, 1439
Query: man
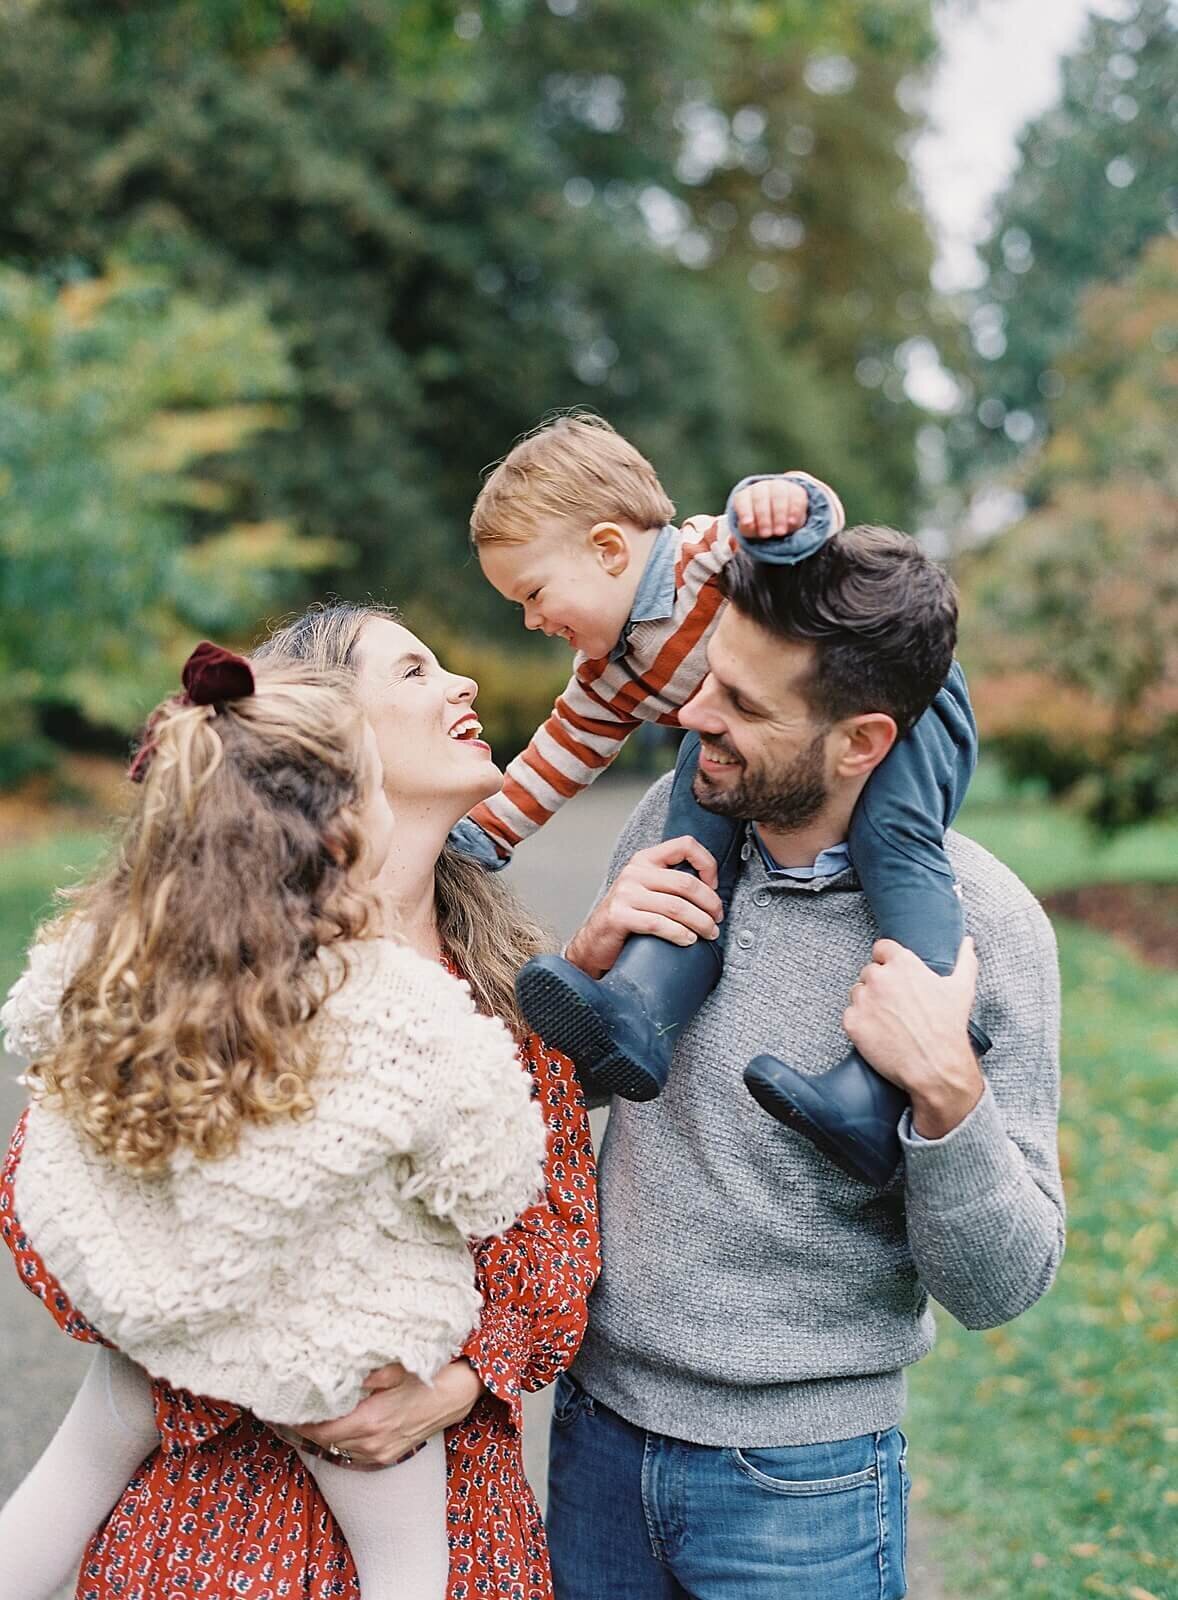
730, 1427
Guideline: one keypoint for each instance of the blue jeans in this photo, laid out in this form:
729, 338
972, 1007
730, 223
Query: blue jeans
634, 1515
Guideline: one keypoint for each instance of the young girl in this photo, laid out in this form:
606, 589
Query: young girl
262, 1132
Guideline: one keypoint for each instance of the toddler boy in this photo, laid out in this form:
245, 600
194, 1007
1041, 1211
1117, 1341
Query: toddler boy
575, 527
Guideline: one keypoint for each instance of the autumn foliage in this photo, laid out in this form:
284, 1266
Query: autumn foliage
1071, 617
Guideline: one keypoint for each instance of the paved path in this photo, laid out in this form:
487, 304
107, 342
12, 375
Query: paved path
558, 873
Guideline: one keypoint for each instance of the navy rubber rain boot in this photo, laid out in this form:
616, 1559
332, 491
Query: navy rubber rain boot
850, 1112
620, 1030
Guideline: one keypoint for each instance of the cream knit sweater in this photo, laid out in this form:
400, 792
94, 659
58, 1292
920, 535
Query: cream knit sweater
279, 1276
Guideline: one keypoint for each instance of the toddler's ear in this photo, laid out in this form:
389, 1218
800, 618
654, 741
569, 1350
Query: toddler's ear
612, 547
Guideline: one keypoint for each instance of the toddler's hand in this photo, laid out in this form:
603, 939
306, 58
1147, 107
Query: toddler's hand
771, 509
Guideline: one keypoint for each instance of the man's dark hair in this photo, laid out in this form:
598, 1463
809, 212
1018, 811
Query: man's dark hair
882, 615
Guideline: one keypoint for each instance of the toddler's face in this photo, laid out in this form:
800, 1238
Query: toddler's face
569, 587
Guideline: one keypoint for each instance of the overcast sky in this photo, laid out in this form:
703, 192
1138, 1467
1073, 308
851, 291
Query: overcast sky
999, 69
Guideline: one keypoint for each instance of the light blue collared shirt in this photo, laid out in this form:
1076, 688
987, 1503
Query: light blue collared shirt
654, 600
828, 863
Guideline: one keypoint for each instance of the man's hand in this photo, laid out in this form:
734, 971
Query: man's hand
912, 1026
771, 509
650, 896
400, 1412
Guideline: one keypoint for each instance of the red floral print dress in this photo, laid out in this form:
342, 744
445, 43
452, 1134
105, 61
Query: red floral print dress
225, 1509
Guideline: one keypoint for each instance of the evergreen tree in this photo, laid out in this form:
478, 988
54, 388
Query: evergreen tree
460, 218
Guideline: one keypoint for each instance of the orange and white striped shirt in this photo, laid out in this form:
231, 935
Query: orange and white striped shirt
654, 669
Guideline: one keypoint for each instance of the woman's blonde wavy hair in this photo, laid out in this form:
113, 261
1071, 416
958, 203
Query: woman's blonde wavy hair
189, 1015
484, 929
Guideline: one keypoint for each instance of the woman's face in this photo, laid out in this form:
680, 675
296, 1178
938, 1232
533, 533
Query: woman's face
427, 733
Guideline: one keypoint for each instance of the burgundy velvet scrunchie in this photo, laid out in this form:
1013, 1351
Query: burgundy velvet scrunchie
210, 676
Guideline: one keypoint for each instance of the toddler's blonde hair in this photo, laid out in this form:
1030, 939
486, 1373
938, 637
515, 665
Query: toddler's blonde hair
573, 469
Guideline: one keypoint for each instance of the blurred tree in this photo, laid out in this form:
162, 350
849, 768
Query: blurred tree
462, 216
116, 544
1073, 615
808, 200
1096, 181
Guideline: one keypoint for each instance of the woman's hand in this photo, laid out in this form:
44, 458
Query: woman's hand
650, 896
399, 1413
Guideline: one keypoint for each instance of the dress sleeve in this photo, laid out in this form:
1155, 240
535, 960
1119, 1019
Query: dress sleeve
535, 1278
31, 1270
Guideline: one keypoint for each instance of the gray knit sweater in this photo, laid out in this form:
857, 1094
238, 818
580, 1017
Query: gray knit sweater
754, 1295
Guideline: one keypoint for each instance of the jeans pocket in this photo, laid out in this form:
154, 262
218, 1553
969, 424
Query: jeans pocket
786, 1472
568, 1401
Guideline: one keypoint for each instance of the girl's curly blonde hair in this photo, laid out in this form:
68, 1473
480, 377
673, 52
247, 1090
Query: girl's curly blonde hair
188, 1017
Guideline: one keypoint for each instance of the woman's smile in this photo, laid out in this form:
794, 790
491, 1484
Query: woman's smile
466, 731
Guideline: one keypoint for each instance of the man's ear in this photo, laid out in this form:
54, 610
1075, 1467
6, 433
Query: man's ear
609, 542
867, 740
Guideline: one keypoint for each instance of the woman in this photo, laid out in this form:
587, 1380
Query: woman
225, 1507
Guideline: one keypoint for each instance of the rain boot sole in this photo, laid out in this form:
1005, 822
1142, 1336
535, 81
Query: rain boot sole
802, 1110
565, 1020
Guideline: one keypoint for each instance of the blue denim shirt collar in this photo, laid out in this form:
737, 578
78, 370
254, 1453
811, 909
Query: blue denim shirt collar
655, 597
828, 863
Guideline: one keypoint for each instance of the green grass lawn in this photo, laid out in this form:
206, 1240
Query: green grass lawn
29, 874
1051, 848
1046, 1448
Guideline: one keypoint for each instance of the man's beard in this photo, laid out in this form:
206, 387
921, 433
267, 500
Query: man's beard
785, 797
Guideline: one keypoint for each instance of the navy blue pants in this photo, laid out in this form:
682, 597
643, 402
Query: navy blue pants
897, 830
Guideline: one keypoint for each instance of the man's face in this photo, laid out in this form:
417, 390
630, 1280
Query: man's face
763, 756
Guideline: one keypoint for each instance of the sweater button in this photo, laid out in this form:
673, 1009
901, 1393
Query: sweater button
744, 939
761, 898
